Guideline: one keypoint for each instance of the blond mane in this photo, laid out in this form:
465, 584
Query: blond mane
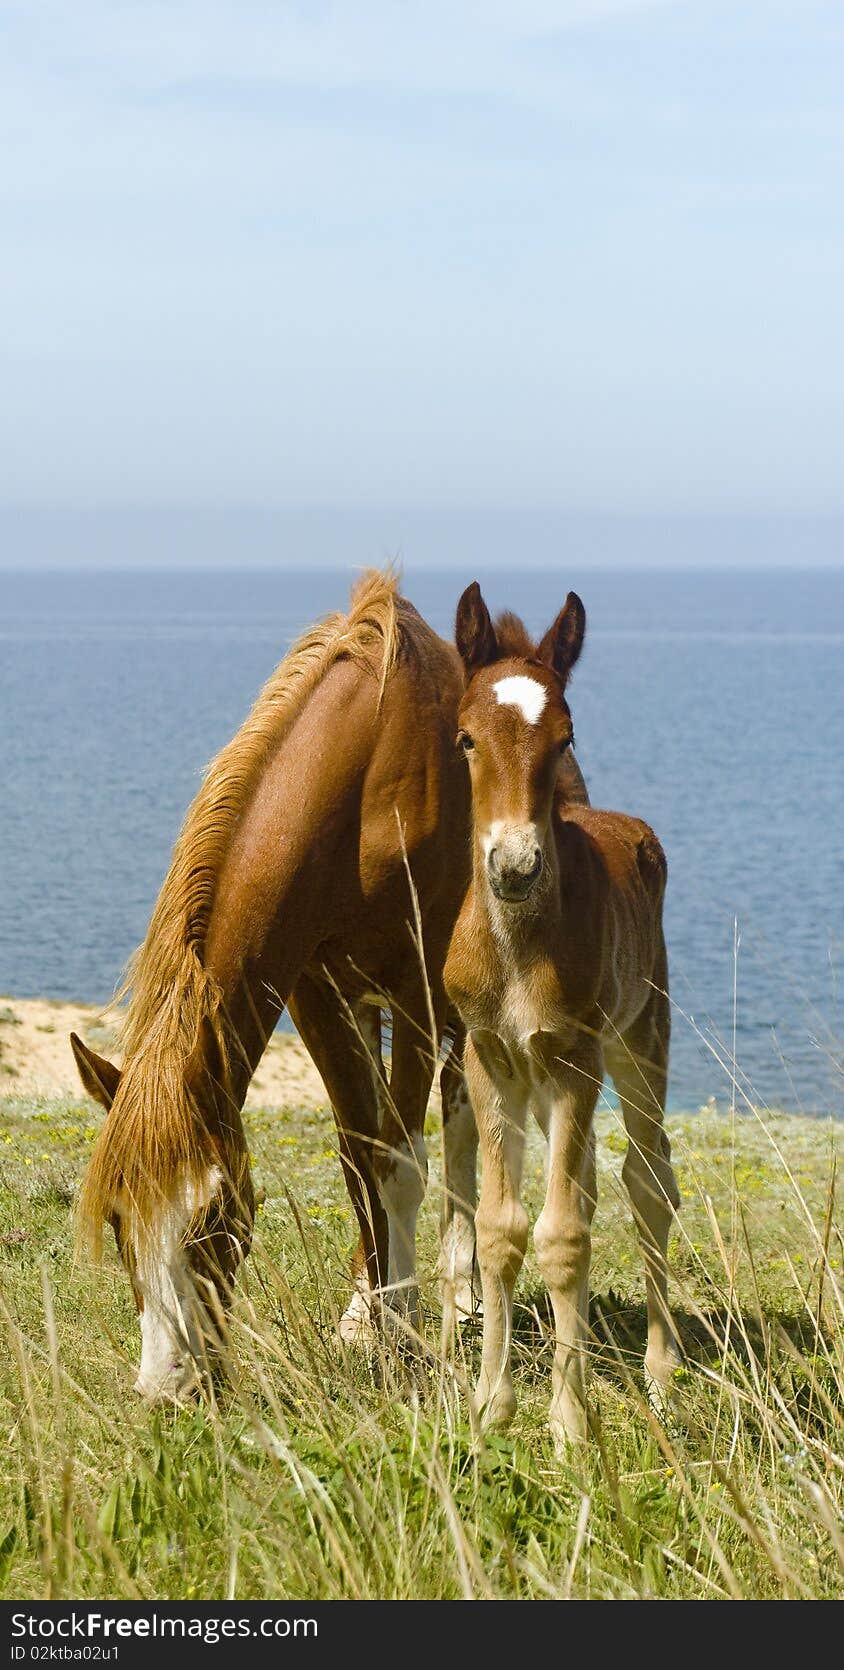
155, 1135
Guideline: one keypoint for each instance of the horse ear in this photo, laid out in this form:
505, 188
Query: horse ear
99, 1077
563, 642
474, 633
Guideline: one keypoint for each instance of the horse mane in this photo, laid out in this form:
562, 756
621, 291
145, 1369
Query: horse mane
513, 638
156, 1134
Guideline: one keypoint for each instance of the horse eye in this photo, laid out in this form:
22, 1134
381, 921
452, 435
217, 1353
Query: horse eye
465, 742
568, 743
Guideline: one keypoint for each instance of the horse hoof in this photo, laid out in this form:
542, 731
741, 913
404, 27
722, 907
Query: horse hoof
356, 1324
467, 1303
665, 1392
498, 1410
460, 1302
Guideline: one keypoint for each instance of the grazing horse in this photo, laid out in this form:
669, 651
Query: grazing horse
291, 885
557, 967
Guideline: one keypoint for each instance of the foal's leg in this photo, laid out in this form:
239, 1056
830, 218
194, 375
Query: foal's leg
460, 1167
500, 1103
340, 1053
562, 1234
639, 1070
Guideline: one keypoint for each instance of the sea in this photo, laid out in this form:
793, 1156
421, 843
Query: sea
710, 703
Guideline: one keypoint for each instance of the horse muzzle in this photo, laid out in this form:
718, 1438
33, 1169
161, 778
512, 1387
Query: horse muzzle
513, 874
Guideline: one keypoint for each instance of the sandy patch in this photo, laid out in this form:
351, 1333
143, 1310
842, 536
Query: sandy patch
36, 1057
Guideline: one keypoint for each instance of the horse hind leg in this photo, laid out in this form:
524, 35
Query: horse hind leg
639, 1071
459, 1278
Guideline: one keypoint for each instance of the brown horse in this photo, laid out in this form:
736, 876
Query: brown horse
557, 966
291, 884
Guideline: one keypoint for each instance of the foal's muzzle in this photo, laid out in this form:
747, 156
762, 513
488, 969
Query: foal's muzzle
513, 876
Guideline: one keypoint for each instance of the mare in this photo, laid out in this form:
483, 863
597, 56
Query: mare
558, 968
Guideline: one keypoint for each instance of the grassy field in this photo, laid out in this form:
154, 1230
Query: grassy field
324, 1473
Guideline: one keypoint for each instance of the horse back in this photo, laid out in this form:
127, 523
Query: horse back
624, 849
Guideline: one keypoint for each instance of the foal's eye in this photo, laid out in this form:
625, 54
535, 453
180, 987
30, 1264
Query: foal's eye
465, 742
567, 743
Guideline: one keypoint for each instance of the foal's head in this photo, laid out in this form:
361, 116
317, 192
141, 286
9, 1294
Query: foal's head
515, 727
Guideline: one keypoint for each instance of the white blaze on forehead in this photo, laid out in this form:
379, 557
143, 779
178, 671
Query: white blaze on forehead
525, 693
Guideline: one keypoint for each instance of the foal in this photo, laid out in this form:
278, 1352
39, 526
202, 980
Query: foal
558, 967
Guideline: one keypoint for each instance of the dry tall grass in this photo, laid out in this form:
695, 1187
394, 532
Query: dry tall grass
324, 1473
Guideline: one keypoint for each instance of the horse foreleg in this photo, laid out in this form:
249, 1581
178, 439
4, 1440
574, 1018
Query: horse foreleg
339, 1049
500, 1105
562, 1233
403, 1160
459, 1279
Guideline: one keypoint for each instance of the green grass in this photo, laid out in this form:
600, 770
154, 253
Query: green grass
322, 1473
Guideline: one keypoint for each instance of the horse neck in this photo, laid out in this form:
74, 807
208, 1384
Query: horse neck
273, 912
252, 1013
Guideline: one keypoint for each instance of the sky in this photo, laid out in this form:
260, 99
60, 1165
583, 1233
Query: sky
269, 265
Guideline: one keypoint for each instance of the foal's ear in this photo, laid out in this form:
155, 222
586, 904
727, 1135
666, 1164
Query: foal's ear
474, 633
563, 641
99, 1077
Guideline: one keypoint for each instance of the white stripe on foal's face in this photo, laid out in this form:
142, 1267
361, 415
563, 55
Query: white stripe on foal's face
527, 694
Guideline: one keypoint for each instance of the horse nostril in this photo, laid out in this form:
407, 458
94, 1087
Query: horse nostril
513, 874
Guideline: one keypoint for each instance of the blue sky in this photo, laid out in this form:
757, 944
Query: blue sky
573, 257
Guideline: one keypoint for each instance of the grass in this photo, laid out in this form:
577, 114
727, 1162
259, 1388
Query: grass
322, 1473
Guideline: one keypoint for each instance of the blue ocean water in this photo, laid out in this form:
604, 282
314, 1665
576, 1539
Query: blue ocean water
711, 704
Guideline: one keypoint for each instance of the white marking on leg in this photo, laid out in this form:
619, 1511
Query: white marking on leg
402, 1190
172, 1317
368, 1022
527, 694
356, 1325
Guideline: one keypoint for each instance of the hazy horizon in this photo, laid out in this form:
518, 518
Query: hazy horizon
340, 538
